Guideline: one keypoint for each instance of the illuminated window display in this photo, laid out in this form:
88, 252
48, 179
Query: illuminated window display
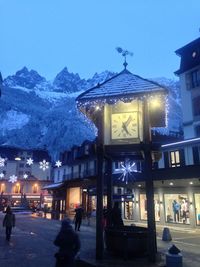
197, 207
143, 207
74, 198
177, 208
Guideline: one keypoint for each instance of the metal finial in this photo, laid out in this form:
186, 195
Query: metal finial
124, 54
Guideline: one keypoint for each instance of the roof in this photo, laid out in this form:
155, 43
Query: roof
189, 46
52, 186
190, 56
11, 152
125, 84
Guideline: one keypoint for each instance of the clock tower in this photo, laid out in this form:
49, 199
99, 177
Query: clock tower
124, 109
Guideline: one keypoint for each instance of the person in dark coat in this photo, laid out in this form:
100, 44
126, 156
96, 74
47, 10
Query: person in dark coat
78, 217
115, 216
9, 222
69, 245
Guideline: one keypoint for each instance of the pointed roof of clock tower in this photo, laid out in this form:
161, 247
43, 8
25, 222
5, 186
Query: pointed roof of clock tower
123, 85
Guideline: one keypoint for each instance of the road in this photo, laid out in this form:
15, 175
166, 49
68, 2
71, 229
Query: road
31, 244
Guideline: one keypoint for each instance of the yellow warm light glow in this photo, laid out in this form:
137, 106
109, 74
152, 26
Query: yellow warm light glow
97, 108
155, 103
35, 185
17, 184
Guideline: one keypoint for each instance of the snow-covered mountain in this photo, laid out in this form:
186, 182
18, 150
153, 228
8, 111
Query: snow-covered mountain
37, 113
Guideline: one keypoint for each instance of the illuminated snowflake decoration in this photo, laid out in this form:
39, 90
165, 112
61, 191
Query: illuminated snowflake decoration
44, 165
12, 178
1, 175
25, 176
2, 162
29, 161
127, 170
58, 163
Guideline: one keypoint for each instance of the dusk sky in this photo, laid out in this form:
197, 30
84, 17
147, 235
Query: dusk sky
47, 35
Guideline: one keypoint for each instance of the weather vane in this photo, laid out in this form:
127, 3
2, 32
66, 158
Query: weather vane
124, 54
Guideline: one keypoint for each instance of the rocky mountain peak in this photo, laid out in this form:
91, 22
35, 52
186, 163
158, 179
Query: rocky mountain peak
24, 78
67, 82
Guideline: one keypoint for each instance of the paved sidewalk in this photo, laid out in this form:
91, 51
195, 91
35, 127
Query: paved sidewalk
32, 246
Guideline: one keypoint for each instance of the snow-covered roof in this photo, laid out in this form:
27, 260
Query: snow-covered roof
125, 84
52, 186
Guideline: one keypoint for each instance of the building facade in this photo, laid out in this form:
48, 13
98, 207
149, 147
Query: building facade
176, 175
23, 173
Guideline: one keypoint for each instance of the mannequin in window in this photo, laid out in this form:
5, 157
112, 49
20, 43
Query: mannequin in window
176, 210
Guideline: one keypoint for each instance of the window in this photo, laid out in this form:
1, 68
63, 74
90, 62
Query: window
197, 208
175, 159
193, 79
17, 188
21, 165
35, 188
196, 154
177, 208
143, 207
197, 131
2, 188
196, 106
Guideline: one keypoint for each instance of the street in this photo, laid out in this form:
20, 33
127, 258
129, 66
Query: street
32, 243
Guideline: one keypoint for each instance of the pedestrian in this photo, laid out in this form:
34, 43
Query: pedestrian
116, 216
69, 245
78, 217
9, 222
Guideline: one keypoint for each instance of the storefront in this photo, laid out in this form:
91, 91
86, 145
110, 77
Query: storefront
178, 206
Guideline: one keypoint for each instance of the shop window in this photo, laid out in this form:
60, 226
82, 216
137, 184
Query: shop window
35, 188
128, 210
2, 188
175, 159
143, 207
17, 188
197, 207
177, 208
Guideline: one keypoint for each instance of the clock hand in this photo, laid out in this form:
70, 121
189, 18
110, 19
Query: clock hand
128, 121
125, 128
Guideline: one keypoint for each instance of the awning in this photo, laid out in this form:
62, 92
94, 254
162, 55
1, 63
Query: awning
52, 186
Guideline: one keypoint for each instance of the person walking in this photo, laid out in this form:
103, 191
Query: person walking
78, 217
69, 245
9, 222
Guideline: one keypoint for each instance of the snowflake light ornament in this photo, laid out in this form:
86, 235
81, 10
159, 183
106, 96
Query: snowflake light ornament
44, 165
29, 161
1, 175
58, 163
2, 162
25, 176
12, 178
126, 168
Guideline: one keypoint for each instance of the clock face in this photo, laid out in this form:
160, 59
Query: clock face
124, 125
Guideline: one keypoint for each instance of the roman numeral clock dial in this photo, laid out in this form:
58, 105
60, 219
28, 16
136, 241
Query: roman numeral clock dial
124, 125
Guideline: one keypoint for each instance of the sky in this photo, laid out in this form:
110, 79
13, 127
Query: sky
82, 35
